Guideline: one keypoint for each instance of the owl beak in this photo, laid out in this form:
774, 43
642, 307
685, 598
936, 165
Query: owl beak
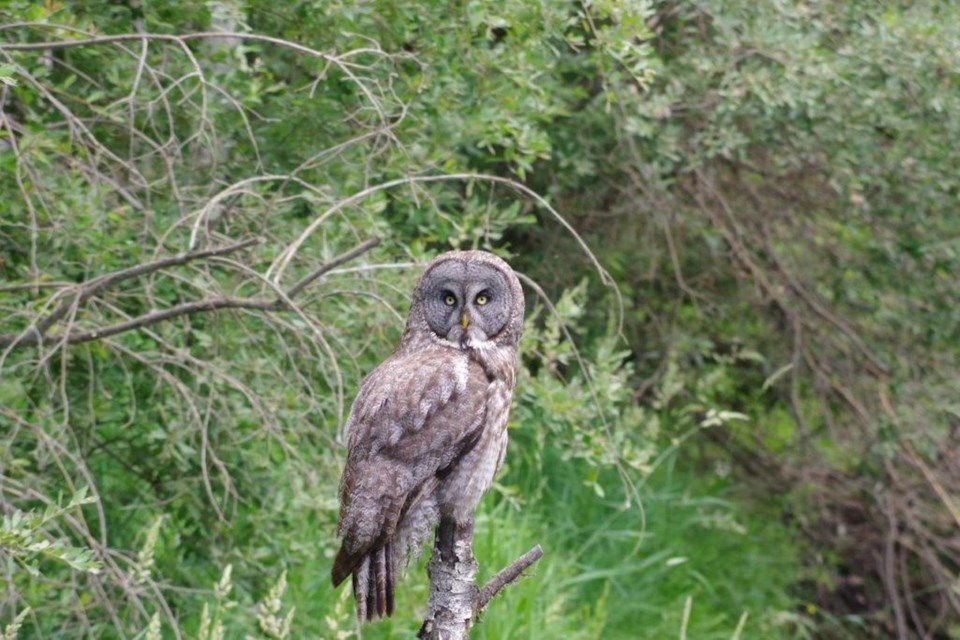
464, 321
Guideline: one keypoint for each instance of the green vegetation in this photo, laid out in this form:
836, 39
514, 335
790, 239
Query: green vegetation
736, 414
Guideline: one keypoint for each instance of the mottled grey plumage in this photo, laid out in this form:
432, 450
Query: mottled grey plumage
428, 429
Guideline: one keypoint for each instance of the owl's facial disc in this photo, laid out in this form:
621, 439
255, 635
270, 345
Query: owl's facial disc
466, 302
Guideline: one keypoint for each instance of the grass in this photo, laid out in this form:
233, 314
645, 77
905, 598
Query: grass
638, 567
691, 561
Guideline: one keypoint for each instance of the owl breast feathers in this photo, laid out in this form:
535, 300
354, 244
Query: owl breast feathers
427, 431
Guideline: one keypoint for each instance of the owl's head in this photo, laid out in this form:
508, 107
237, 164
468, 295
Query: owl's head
469, 298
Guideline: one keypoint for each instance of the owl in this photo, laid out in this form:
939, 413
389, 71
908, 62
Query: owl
428, 429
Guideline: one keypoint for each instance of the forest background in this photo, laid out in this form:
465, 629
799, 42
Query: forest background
737, 412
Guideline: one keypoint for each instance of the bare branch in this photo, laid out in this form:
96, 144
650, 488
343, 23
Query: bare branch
37, 332
27, 286
326, 267
508, 575
189, 308
97, 285
455, 602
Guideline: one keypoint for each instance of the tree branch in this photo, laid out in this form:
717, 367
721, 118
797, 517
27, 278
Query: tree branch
186, 309
38, 333
455, 602
347, 256
104, 282
508, 575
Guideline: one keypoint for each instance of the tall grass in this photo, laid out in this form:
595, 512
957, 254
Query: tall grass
634, 568
608, 572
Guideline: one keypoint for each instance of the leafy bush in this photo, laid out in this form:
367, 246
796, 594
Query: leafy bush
210, 239
785, 190
214, 214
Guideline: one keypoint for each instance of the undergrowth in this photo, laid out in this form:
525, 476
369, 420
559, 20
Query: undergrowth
609, 571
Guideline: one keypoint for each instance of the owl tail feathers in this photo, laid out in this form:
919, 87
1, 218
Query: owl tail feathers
373, 582
344, 565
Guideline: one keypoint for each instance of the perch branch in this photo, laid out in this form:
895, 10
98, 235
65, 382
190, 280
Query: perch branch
455, 602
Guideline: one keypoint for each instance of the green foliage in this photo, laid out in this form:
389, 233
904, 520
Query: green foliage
786, 190
210, 441
557, 405
24, 540
769, 186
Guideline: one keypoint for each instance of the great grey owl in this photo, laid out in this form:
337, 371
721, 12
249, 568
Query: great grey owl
428, 429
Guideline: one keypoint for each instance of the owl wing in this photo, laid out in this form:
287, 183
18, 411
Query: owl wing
414, 417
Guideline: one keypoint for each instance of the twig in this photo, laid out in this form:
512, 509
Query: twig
508, 575
347, 256
29, 286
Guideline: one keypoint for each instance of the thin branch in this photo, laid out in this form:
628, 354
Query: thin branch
37, 333
347, 256
186, 309
508, 575
28, 286
283, 302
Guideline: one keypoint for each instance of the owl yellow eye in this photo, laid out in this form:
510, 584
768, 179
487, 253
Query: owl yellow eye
482, 299
449, 300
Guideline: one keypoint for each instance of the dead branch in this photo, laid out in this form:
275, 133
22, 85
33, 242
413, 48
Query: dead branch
189, 308
37, 332
508, 575
455, 602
